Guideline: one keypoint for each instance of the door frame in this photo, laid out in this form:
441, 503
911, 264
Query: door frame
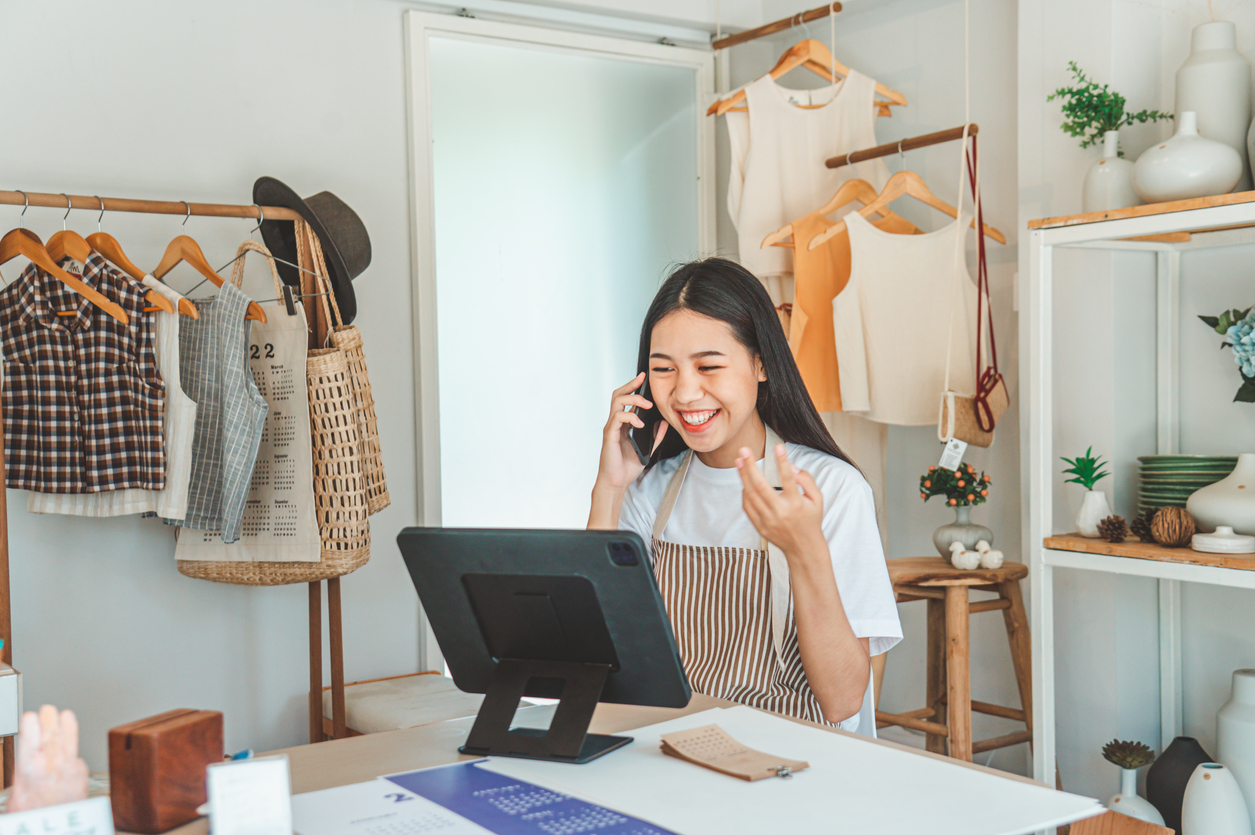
420, 27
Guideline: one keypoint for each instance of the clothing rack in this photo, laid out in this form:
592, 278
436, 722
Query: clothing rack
903, 145
315, 315
773, 28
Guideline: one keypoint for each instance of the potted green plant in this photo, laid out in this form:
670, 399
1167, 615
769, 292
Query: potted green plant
961, 488
1094, 112
1087, 470
1130, 756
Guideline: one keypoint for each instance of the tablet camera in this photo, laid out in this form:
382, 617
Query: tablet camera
622, 553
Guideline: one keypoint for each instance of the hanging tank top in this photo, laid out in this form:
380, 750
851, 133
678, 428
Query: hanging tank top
778, 153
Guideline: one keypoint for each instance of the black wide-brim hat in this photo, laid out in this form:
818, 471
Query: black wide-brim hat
341, 232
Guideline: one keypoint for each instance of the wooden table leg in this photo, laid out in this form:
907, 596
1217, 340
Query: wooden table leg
1016, 620
315, 663
334, 627
958, 674
935, 688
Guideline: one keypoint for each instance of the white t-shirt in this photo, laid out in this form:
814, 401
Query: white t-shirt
708, 513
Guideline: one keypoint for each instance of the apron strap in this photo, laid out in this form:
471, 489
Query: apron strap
777, 563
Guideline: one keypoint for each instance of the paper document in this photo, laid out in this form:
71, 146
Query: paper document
378, 807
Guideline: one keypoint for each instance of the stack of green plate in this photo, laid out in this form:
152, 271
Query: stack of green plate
1168, 480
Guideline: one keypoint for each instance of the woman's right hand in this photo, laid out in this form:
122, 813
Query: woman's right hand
619, 465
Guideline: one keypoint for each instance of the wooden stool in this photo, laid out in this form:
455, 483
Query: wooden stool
948, 717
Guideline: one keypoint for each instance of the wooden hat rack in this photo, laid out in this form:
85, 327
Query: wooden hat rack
314, 315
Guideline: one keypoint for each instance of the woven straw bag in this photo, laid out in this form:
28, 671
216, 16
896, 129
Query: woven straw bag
349, 340
339, 488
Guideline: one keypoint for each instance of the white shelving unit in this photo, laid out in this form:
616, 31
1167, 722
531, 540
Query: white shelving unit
1167, 229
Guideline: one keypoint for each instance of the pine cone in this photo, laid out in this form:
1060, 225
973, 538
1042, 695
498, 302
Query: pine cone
1140, 527
1128, 754
1113, 529
1172, 526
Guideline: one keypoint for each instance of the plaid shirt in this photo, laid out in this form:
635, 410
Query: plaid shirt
83, 399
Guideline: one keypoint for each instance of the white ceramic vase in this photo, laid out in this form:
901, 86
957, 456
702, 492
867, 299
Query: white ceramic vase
1187, 165
1230, 501
1215, 83
1235, 734
1213, 803
1109, 181
1094, 509
1128, 802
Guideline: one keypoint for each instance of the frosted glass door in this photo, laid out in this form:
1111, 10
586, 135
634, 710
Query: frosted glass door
565, 185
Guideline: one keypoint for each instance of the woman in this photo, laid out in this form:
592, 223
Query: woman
768, 559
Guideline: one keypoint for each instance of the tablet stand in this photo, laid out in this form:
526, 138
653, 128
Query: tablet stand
567, 739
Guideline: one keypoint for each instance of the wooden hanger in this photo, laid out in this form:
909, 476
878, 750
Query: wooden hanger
27, 244
108, 246
814, 56
900, 184
850, 190
185, 249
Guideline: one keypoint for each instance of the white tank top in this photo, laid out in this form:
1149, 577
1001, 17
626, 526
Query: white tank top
778, 152
892, 319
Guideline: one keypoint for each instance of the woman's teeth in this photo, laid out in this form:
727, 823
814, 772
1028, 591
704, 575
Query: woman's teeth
698, 418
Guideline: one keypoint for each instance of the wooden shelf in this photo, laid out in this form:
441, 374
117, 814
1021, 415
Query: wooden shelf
1148, 551
1143, 211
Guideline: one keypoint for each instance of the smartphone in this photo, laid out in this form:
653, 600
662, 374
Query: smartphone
643, 439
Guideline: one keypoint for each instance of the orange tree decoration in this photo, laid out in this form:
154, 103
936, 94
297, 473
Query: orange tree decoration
960, 488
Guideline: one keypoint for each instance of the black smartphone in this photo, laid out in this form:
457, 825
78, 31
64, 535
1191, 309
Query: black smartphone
643, 439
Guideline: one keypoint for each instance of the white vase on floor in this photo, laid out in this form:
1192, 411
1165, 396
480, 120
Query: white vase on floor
1187, 165
1094, 509
1230, 501
1128, 802
1109, 181
1215, 83
1213, 803
1235, 734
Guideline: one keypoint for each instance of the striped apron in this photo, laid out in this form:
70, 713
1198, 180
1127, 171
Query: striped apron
731, 611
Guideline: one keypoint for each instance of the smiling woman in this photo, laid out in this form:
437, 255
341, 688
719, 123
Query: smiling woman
770, 565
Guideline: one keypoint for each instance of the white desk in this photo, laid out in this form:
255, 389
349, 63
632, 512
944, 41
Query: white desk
340, 762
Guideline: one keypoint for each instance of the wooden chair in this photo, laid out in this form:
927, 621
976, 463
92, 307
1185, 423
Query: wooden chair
947, 719
1114, 823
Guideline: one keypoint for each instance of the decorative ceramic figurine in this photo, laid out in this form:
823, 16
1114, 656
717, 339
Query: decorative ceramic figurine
1187, 165
962, 558
1214, 804
1229, 502
1235, 734
1130, 756
989, 558
1215, 83
1109, 181
49, 770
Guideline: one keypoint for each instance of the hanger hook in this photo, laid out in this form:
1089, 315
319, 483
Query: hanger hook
26, 206
853, 165
189, 213
901, 155
102, 211
68, 206
261, 218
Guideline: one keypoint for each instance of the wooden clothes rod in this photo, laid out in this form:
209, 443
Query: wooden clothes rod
773, 28
904, 145
156, 207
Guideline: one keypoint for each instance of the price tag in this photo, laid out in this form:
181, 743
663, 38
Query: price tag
250, 797
952, 456
93, 816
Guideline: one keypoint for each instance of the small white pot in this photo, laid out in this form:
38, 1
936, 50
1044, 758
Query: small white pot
1187, 165
1094, 509
1213, 803
1109, 181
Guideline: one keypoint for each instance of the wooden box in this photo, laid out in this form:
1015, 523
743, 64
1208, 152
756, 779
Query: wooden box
157, 768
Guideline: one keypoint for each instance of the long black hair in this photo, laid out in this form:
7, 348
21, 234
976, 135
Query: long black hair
726, 291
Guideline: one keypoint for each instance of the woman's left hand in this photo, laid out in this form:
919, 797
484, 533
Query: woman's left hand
791, 520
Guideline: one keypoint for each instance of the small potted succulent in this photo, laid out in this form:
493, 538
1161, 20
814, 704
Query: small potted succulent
1131, 756
1086, 470
961, 488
